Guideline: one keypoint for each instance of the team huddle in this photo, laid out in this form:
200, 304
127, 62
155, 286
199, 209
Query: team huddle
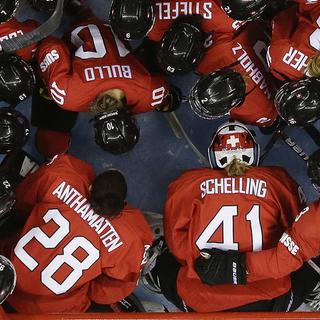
237, 236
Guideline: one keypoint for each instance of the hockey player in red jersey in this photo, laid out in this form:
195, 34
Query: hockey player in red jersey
233, 205
294, 48
10, 27
95, 73
245, 55
80, 242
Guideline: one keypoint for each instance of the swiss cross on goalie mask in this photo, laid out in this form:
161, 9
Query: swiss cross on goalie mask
233, 140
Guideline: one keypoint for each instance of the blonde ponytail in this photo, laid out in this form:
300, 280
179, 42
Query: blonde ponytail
313, 67
236, 167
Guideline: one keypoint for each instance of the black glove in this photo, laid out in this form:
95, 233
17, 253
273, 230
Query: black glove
172, 101
215, 266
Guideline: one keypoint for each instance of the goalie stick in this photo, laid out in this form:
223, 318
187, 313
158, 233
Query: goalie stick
48, 27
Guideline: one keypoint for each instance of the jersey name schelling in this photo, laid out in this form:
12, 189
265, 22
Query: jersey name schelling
230, 185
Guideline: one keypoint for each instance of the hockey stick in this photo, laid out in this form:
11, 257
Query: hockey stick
179, 131
274, 138
48, 27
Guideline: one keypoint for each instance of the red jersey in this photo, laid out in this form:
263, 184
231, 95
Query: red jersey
205, 208
3, 315
66, 254
13, 28
98, 61
248, 49
214, 18
296, 245
295, 39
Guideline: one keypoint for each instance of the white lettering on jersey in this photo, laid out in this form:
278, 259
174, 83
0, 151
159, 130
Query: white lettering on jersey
49, 58
102, 72
254, 73
288, 242
11, 35
80, 205
168, 11
305, 210
296, 59
231, 185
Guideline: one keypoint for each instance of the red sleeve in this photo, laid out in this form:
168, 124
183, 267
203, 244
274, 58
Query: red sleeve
54, 63
176, 226
13, 28
297, 245
3, 315
120, 279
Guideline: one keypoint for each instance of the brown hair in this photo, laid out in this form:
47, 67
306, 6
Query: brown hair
236, 167
105, 102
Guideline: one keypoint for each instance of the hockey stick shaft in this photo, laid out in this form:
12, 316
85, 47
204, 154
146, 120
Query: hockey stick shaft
178, 129
294, 146
48, 27
314, 266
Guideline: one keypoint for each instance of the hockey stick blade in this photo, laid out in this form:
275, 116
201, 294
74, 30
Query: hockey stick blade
48, 27
179, 131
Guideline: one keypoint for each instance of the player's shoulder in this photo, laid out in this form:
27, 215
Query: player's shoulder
67, 162
197, 173
273, 174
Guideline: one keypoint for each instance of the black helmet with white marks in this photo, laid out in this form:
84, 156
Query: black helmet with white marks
182, 45
8, 9
298, 102
215, 94
8, 278
131, 19
116, 131
17, 79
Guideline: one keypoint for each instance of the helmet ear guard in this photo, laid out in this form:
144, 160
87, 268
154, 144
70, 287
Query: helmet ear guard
215, 94
182, 46
233, 140
298, 102
116, 131
131, 19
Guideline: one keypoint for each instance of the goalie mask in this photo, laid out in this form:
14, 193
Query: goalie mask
182, 45
14, 130
7, 196
244, 9
298, 102
8, 278
215, 94
116, 131
233, 140
131, 19
8, 9
17, 79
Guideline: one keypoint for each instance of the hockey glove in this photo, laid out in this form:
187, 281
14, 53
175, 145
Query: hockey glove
172, 101
215, 266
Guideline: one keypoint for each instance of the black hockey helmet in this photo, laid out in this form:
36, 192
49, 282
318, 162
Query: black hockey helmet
8, 278
182, 45
131, 19
7, 196
116, 131
215, 94
314, 169
14, 130
17, 78
244, 9
233, 140
8, 9
298, 102
44, 5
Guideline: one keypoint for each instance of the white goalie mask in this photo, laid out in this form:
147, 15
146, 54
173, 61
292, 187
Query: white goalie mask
233, 140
